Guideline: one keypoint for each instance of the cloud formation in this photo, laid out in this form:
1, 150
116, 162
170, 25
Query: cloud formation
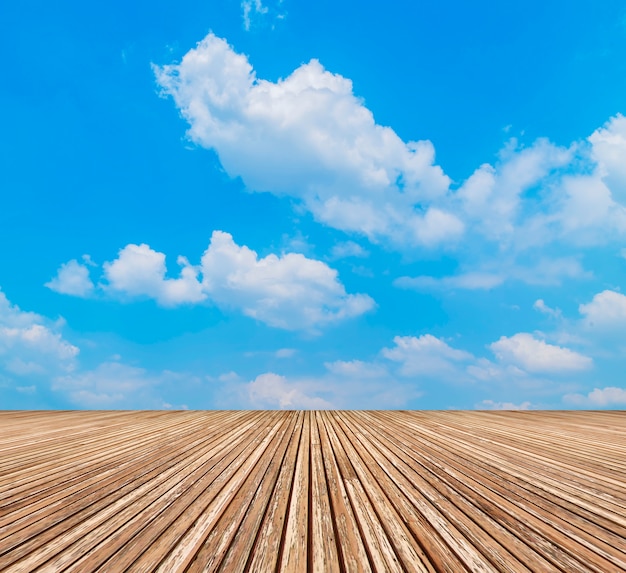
533, 355
610, 396
492, 197
607, 310
31, 344
109, 385
404, 374
289, 291
72, 278
140, 271
425, 355
270, 390
309, 137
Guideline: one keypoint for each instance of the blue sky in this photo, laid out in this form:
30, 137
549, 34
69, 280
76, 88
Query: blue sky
268, 204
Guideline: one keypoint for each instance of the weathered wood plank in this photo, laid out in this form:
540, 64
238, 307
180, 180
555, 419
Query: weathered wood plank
326, 491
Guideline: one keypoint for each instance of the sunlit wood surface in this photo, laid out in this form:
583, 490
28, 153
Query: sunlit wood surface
313, 491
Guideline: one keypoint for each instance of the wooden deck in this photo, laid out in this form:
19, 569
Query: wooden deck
313, 491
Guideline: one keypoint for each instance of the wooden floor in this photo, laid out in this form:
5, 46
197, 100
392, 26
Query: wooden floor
313, 491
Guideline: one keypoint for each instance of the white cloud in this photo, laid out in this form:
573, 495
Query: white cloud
606, 310
39, 337
412, 367
12, 316
309, 137
345, 384
493, 198
598, 398
356, 369
550, 271
425, 355
588, 213
30, 344
231, 376
348, 249
491, 405
270, 390
609, 151
140, 271
290, 291
109, 385
535, 355
73, 279
19, 366
542, 307
488, 371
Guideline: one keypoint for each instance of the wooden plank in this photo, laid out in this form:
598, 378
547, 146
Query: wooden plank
266, 549
324, 554
295, 544
313, 491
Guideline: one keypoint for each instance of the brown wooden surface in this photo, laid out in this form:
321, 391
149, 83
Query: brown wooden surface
327, 491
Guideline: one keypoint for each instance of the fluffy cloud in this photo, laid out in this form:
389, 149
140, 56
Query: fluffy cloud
33, 352
109, 385
609, 151
73, 279
309, 137
588, 213
533, 355
606, 310
345, 384
30, 344
140, 271
289, 291
598, 398
543, 193
414, 368
271, 390
425, 355
493, 196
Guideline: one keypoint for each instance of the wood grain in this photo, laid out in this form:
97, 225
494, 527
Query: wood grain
321, 491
